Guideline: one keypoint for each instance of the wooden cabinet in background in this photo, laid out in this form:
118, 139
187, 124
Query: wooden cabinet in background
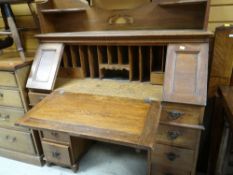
16, 142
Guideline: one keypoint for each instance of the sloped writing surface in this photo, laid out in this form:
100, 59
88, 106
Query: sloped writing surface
45, 66
186, 73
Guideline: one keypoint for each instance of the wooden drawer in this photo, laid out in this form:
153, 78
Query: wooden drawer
56, 136
185, 114
7, 79
173, 157
164, 170
8, 116
10, 98
16, 141
57, 153
177, 136
35, 98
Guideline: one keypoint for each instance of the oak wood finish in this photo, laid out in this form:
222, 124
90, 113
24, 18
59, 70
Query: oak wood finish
173, 157
222, 65
56, 136
131, 41
132, 134
163, 170
56, 153
104, 15
186, 70
181, 114
177, 136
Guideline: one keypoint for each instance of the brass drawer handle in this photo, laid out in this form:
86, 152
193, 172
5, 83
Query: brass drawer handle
1, 95
56, 154
4, 117
174, 115
172, 156
173, 135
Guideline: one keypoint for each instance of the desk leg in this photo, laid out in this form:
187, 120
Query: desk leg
149, 163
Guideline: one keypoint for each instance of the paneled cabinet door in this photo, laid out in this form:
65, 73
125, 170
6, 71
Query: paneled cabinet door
45, 66
186, 73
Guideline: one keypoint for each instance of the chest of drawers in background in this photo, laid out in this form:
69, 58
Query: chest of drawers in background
15, 142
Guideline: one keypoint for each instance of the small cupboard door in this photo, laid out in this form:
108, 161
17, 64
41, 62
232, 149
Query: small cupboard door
45, 66
186, 73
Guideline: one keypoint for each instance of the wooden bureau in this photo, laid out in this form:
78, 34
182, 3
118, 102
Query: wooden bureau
130, 74
16, 142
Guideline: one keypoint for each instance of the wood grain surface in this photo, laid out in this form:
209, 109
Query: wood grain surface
113, 119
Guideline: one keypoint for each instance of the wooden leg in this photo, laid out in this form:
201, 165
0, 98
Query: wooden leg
75, 167
49, 164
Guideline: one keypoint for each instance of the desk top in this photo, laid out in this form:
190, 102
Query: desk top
227, 94
111, 119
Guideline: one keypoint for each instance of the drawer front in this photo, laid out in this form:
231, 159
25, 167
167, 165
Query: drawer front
164, 170
56, 153
184, 114
7, 79
16, 141
177, 136
35, 98
173, 157
56, 136
9, 116
10, 98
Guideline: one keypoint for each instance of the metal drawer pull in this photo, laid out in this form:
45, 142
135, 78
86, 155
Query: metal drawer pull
174, 114
56, 154
4, 117
172, 156
54, 134
1, 95
11, 139
173, 135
